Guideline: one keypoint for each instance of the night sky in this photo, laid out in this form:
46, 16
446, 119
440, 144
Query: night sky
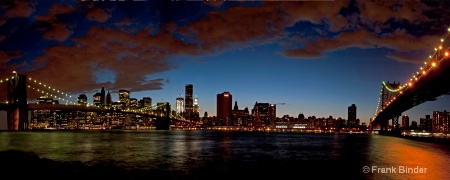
310, 57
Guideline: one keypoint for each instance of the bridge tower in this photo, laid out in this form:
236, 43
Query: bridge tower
388, 92
17, 95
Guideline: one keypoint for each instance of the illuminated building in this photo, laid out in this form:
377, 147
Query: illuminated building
124, 97
405, 122
196, 113
240, 116
224, 103
147, 103
188, 101
82, 100
180, 105
426, 123
440, 122
264, 113
97, 99
352, 116
133, 103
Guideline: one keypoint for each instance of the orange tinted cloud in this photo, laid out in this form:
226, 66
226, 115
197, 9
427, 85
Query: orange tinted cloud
19, 9
398, 40
99, 15
239, 24
58, 32
131, 58
55, 10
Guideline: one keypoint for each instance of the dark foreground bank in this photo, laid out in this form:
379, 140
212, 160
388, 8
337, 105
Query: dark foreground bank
27, 165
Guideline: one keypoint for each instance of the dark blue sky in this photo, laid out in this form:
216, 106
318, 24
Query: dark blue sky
315, 58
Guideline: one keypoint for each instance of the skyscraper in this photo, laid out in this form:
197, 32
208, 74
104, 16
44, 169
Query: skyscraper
351, 115
102, 98
97, 99
224, 103
196, 106
147, 102
405, 122
189, 101
108, 100
124, 98
180, 106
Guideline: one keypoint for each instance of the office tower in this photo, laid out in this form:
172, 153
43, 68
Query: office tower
264, 112
180, 106
97, 99
224, 103
82, 100
441, 122
405, 122
147, 102
133, 103
189, 101
124, 98
352, 115
108, 100
196, 106
102, 98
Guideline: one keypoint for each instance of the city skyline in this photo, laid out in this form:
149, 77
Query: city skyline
312, 62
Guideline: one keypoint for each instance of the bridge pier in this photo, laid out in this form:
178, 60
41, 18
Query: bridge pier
17, 119
395, 123
17, 96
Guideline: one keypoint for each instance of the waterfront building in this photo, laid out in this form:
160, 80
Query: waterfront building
441, 122
351, 120
224, 103
264, 113
426, 123
240, 116
405, 122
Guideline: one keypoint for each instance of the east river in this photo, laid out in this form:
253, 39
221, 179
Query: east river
202, 154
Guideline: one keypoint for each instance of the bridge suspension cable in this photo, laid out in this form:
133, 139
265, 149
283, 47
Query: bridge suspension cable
52, 92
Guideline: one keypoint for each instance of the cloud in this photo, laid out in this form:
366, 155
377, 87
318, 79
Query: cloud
398, 40
99, 15
131, 59
125, 22
58, 32
5, 60
19, 9
317, 12
237, 25
372, 12
56, 9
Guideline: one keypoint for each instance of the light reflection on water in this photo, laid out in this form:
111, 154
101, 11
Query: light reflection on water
230, 152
